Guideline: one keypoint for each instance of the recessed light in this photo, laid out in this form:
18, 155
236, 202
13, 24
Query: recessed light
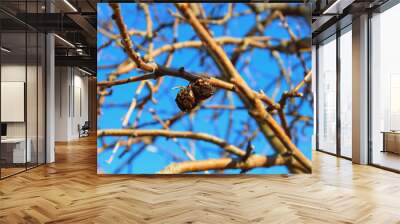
5, 50
326, 11
64, 40
70, 5
86, 72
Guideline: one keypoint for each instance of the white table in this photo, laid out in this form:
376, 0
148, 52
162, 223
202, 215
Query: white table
18, 144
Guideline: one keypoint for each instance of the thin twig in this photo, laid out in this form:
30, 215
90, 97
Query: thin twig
173, 134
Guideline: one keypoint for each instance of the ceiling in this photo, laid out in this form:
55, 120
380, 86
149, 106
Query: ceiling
74, 21
330, 15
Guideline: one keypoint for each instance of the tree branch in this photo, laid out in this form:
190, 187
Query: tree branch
163, 71
253, 161
174, 134
285, 46
233, 82
267, 124
127, 40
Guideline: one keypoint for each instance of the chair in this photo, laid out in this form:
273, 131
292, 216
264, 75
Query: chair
84, 130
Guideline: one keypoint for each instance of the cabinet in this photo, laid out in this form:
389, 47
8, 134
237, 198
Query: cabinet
391, 142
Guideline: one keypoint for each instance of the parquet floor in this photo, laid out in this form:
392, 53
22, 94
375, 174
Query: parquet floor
70, 191
10, 171
387, 159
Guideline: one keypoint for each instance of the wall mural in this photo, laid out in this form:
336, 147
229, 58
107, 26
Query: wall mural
192, 88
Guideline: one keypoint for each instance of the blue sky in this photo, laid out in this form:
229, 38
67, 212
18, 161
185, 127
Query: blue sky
261, 74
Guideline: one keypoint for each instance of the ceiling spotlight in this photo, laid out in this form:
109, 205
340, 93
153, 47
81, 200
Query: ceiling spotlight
84, 71
5, 49
70, 5
337, 7
65, 41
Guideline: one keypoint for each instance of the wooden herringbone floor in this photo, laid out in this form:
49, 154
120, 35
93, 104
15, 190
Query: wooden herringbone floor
70, 191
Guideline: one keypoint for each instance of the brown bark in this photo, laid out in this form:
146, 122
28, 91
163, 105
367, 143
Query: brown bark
267, 124
254, 161
173, 134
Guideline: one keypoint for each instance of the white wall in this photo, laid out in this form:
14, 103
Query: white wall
16, 73
61, 103
12, 73
33, 126
71, 102
80, 110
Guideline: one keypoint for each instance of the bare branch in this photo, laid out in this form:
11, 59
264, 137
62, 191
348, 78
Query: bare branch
127, 40
173, 134
267, 124
253, 161
262, 109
